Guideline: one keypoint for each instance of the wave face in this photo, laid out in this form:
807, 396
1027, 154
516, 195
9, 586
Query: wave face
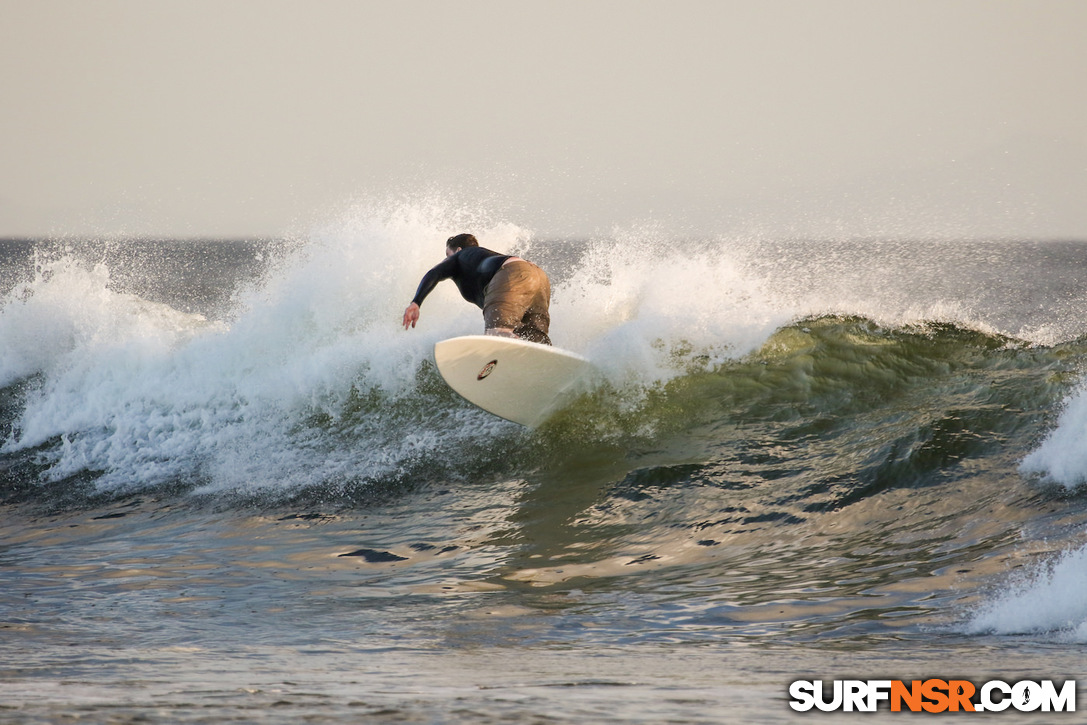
872, 420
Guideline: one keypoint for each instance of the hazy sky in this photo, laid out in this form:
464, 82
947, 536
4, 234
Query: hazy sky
798, 118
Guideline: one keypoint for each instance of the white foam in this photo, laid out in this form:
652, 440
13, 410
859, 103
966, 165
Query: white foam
645, 311
1062, 456
1052, 600
146, 394
68, 310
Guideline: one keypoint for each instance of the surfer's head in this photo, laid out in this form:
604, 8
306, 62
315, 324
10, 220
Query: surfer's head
459, 242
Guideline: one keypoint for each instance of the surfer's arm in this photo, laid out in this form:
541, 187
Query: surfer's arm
440, 271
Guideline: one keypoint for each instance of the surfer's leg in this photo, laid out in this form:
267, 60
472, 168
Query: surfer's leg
535, 325
532, 334
536, 322
500, 316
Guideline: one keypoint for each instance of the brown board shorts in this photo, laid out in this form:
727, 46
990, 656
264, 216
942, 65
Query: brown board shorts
518, 298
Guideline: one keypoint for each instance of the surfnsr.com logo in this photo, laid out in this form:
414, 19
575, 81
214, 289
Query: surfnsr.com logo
933, 695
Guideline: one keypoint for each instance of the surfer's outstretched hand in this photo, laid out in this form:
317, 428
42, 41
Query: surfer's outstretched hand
411, 315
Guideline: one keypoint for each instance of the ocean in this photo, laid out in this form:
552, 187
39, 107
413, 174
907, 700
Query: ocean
234, 489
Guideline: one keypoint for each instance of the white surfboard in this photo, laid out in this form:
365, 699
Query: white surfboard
515, 379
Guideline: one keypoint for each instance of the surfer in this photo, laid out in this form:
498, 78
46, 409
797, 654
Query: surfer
514, 294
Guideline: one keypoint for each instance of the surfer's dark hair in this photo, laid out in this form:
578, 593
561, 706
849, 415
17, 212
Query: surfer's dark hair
461, 241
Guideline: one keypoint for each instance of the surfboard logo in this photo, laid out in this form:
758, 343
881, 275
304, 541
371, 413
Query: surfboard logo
487, 370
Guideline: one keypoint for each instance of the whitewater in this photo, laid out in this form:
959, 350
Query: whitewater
232, 487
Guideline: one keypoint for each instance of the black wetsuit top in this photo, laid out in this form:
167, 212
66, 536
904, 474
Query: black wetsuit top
472, 268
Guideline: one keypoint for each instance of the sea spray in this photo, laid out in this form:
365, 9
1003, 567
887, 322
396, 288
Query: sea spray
1062, 456
645, 310
69, 310
140, 395
1050, 599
